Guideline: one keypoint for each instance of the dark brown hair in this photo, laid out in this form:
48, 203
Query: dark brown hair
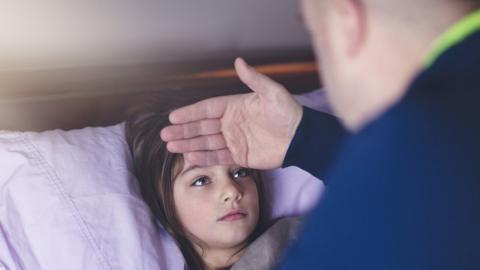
154, 168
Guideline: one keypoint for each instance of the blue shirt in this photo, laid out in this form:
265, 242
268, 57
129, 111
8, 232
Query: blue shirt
404, 192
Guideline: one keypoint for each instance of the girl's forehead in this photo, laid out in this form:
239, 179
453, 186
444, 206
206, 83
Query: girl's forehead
189, 167
182, 166
185, 164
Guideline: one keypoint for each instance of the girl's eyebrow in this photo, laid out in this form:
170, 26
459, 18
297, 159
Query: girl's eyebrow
192, 167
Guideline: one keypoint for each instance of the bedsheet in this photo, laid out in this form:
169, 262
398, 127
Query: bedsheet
69, 200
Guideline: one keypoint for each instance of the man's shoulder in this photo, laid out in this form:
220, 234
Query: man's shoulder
423, 133
427, 116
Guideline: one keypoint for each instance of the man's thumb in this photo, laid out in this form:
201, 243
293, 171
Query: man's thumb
256, 81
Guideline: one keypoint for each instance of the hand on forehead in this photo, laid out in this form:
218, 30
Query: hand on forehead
243, 129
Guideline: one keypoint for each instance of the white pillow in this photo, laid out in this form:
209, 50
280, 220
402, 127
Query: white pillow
69, 200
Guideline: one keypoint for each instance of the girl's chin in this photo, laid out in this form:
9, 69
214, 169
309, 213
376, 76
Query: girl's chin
235, 240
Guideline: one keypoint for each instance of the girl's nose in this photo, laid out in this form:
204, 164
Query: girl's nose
232, 192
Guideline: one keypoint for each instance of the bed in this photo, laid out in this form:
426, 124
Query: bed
68, 198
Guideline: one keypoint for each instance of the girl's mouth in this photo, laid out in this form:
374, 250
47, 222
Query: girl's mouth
234, 215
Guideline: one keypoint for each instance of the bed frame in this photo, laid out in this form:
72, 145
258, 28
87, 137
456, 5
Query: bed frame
75, 97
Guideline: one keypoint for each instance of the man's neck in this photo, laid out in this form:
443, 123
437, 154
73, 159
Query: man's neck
398, 57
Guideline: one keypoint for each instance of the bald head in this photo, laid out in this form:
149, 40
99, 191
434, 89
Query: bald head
428, 16
423, 14
370, 50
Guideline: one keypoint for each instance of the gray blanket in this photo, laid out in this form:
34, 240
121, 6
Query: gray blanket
266, 251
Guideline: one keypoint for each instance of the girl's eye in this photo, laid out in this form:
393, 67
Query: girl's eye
201, 181
241, 172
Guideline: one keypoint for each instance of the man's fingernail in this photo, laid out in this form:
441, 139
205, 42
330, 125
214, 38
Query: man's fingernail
171, 147
171, 118
163, 135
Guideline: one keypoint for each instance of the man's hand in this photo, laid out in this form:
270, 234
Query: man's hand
252, 130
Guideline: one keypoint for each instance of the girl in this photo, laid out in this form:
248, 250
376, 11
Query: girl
213, 212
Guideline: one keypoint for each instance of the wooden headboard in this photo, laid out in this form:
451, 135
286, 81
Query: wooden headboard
70, 98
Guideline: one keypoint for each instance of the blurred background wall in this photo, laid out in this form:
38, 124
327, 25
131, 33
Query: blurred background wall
74, 63
40, 33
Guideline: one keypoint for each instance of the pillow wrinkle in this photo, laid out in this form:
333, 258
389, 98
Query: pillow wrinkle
38, 160
87, 234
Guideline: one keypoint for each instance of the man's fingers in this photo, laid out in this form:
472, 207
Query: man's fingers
202, 143
191, 130
210, 158
254, 80
205, 109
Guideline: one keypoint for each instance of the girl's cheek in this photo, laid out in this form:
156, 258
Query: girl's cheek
197, 217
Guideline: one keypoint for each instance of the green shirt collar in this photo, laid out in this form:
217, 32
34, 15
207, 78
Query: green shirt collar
454, 35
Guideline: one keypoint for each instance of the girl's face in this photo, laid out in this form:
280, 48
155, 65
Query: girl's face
217, 205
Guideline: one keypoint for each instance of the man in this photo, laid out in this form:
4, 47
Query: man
403, 191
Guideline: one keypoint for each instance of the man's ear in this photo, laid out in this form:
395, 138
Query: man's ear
352, 24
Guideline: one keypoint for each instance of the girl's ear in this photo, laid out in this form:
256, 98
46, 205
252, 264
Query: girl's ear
351, 25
